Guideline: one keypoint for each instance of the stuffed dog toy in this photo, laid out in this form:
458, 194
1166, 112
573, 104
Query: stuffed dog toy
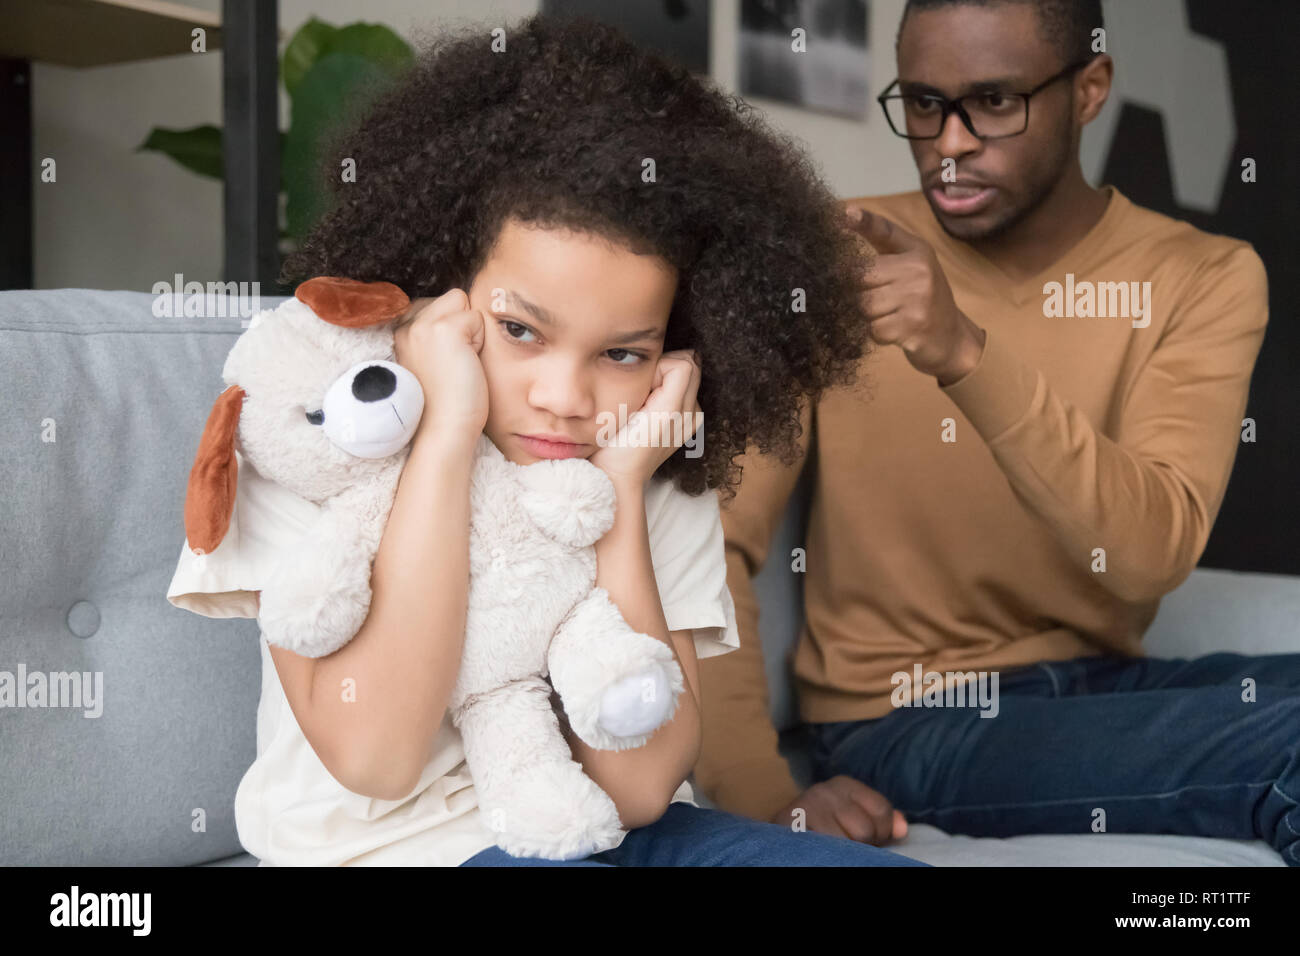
317, 404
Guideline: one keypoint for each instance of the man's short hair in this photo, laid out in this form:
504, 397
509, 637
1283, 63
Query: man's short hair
1067, 24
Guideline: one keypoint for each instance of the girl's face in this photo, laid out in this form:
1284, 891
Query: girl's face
573, 328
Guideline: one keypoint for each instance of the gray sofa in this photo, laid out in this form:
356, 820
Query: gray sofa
100, 415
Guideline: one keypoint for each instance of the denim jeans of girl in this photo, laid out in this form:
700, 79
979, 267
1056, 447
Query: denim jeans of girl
687, 835
1207, 747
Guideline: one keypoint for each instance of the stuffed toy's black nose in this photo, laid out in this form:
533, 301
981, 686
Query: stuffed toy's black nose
374, 383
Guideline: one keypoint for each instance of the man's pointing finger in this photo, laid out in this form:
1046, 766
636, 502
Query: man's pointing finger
883, 235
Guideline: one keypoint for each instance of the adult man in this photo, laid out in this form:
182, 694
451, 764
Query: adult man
1039, 460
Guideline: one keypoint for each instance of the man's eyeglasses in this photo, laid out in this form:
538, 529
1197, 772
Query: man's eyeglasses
989, 114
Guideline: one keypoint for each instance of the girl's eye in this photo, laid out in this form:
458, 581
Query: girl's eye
635, 356
620, 356
511, 326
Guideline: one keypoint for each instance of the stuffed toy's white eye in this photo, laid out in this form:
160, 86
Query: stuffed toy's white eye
372, 409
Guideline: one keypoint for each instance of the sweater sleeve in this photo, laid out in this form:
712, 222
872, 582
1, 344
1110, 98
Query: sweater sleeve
740, 768
1149, 495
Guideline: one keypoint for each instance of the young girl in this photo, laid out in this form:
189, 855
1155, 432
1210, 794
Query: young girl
586, 231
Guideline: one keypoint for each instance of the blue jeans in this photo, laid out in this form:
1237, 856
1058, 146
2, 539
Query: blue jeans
687, 835
1158, 746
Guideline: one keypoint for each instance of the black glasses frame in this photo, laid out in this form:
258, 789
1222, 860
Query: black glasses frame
955, 106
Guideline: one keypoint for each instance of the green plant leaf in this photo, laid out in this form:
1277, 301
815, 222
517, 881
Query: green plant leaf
303, 50
198, 148
375, 42
337, 85
316, 39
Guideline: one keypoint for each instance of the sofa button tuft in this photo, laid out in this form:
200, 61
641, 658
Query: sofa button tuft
83, 619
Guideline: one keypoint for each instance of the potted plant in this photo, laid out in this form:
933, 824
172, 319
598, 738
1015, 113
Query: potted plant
321, 67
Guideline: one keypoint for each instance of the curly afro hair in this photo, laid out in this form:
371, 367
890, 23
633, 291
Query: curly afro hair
555, 132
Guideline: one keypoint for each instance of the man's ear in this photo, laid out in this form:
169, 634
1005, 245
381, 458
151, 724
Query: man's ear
214, 479
1094, 84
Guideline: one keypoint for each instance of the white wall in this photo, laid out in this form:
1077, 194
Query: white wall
117, 219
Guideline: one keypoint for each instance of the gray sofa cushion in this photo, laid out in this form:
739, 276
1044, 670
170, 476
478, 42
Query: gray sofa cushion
92, 527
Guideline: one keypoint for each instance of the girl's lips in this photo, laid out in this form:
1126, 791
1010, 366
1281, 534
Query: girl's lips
964, 200
551, 449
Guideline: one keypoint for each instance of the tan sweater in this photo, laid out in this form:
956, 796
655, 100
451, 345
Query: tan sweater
1073, 433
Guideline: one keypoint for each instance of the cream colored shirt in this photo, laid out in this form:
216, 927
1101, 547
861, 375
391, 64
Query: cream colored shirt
289, 810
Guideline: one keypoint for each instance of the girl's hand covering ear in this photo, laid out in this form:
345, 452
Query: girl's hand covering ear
669, 417
439, 341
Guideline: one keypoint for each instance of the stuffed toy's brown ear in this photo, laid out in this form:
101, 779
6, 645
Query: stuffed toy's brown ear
352, 303
214, 479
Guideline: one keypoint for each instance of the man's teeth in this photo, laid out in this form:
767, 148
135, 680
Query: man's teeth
954, 191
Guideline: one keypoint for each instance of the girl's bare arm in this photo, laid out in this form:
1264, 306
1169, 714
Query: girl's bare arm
641, 781
372, 709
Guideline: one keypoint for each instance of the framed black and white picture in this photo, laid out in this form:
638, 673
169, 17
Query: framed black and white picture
811, 53
678, 29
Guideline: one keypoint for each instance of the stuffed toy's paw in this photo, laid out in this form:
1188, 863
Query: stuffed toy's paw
637, 705
554, 811
571, 500
532, 795
617, 685
318, 597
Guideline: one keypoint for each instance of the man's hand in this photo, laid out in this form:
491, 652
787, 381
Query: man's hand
845, 807
910, 303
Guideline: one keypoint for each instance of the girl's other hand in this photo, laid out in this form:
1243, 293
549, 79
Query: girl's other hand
439, 341
641, 447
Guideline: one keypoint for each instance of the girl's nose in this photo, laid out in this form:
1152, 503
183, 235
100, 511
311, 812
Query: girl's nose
562, 392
